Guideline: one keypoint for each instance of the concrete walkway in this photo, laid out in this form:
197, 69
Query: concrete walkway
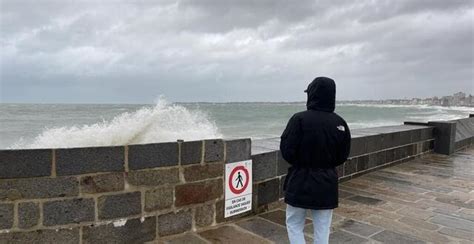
427, 200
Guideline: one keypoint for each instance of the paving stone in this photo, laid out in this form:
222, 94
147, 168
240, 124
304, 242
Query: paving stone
152, 155
133, 231
38, 188
466, 235
391, 237
63, 236
204, 215
192, 193
102, 183
191, 152
6, 216
452, 222
28, 214
213, 150
418, 223
365, 200
265, 229
231, 235
278, 217
25, 163
159, 198
74, 161
119, 205
238, 150
174, 223
186, 239
69, 211
359, 228
203, 172
264, 166
345, 237
156, 177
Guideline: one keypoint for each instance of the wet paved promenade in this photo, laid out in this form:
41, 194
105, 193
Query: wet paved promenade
426, 200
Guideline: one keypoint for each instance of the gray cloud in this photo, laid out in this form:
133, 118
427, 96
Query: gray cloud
222, 50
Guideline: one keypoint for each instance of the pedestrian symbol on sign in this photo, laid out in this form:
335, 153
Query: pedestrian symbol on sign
239, 180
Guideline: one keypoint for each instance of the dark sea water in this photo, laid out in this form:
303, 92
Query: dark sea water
69, 125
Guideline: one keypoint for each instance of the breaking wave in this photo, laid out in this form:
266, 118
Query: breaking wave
159, 123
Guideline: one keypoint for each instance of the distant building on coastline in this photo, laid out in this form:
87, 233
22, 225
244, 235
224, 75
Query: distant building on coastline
457, 99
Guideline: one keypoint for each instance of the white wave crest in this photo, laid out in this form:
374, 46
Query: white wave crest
160, 123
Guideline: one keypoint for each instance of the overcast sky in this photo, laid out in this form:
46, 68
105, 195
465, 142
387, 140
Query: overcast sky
222, 50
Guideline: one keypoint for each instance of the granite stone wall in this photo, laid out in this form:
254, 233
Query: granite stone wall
464, 133
120, 194
140, 193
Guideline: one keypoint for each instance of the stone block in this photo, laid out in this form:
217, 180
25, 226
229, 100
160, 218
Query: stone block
362, 163
264, 166
416, 135
238, 150
191, 152
109, 182
340, 170
193, 193
282, 165
63, 236
38, 188
405, 137
350, 166
74, 161
445, 136
374, 143
6, 216
159, 198
69, 211
282, 186
358, 146
204, 215
203, 172
28, 214
155, 177
268, 191
174, 223
25, 163
119, 205
427, 133
213, 150
153, 155
133, 231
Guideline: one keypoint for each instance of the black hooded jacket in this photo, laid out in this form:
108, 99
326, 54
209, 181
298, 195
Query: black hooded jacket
314, 142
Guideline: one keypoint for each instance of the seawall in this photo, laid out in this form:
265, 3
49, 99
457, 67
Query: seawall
139, 193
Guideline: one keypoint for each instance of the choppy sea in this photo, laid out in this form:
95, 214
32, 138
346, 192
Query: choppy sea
78, 125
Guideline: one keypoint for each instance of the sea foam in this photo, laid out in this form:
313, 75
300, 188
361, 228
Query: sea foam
162, 122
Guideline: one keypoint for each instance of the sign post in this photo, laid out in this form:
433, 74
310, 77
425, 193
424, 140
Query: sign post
238, 188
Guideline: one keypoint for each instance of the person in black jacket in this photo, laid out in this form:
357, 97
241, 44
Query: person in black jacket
314, 142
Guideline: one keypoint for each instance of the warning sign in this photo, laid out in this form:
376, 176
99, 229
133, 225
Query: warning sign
238, 188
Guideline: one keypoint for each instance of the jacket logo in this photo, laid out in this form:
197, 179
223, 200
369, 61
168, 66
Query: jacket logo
341, 128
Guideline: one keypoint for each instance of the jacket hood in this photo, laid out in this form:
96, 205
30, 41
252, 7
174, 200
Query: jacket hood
321, 94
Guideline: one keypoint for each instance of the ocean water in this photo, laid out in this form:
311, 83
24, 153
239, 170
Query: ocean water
79, 125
